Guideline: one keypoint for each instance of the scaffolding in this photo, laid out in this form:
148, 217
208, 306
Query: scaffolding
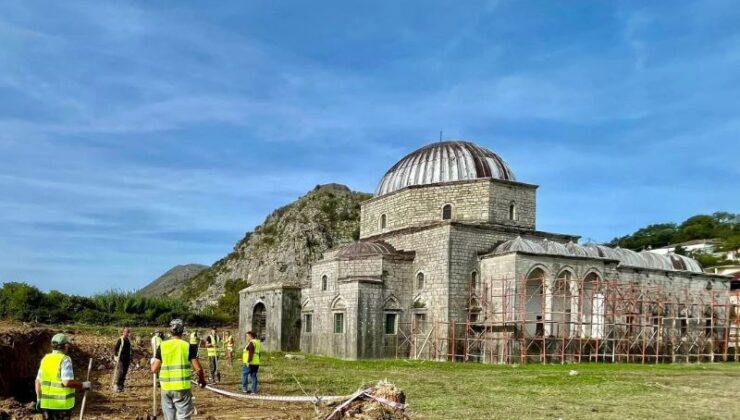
536, 320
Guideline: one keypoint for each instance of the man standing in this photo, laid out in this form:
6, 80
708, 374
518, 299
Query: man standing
213, 347
55, 384
229, 341
123, 358
251, 362
173, 361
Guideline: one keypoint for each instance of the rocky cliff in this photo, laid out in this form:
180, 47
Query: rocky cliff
285, 244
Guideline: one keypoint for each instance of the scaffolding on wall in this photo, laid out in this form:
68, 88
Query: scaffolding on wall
534, 319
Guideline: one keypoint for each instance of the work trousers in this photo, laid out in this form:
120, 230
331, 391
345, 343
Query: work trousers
177, 405
57, 414
215, 372
122, 372
249, 372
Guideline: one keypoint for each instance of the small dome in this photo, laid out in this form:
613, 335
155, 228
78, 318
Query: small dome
444, 162
554, 248
578, 251
366, 249
657, 261
630, 258
521, 245
684, 263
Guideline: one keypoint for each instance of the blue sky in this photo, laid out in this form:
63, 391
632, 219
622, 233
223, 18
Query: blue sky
135, 136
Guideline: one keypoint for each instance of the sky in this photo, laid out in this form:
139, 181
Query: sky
135, 136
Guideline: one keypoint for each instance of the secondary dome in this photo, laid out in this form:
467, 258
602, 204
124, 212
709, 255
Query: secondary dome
444, 162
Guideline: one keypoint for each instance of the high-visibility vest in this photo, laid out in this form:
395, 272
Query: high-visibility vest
193, 338
216, 346
255, 356
174, 375
230, 343
54, 395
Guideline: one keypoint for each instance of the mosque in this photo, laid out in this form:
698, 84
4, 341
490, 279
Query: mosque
450, 237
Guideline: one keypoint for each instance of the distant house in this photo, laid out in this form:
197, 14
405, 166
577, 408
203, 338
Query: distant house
725, 270
706, 246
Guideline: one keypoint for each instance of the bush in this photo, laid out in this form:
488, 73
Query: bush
21, 302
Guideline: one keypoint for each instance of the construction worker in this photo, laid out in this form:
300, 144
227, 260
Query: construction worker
214, 349
173, 361
124, 354
229, 342
194, 338
55, 383
251, 362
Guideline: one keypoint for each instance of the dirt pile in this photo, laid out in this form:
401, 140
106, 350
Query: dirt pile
20, 354
382, 402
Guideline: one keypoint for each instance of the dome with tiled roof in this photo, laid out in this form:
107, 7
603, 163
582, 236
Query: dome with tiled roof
445, 161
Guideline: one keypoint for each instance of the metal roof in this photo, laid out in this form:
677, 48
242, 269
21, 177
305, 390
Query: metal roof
626, 257
444, 162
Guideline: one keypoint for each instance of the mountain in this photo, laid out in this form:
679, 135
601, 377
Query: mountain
282, 248
174, 279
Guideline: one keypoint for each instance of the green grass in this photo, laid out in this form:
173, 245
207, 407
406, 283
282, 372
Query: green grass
466, 390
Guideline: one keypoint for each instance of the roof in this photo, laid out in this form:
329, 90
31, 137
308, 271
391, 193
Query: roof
626, 257
445, 161
363, 249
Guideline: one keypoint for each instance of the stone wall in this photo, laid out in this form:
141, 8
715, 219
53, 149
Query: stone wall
364, 290
503, 282
484, 200
282, 308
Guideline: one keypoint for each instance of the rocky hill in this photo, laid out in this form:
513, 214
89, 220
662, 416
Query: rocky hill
169, 282
284, 245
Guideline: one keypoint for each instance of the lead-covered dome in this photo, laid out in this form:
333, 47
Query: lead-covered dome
444, 162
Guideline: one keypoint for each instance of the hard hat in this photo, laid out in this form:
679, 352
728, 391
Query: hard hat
60, 339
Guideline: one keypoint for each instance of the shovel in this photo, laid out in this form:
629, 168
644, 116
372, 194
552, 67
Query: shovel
115, 371
84, 397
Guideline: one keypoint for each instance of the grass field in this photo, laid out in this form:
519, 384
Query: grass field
458, 390
441, 390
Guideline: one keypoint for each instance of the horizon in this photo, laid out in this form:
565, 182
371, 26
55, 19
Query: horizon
135, 137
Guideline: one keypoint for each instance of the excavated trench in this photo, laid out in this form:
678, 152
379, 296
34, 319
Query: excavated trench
20, 354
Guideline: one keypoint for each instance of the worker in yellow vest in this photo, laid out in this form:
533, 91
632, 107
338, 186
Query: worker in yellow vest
173, 362
251, 362
229, 343
214, 348
55, 383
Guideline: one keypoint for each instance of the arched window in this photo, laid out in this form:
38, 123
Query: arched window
324, 282
382, 221
447, 212
420, 280
474, 280
512, 211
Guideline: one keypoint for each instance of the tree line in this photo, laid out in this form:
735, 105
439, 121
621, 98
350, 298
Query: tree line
724, 226
26, 303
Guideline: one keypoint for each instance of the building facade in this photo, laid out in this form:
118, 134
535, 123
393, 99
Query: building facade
450, 237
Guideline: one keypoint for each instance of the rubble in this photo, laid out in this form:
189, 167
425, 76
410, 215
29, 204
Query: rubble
382, 402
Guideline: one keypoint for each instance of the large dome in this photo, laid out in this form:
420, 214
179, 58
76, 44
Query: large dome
444, 162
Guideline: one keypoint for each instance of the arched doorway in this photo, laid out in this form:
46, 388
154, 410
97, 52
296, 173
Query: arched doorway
259, 320
535, 303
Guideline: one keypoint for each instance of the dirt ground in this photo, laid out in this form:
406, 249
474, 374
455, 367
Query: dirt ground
136, 400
